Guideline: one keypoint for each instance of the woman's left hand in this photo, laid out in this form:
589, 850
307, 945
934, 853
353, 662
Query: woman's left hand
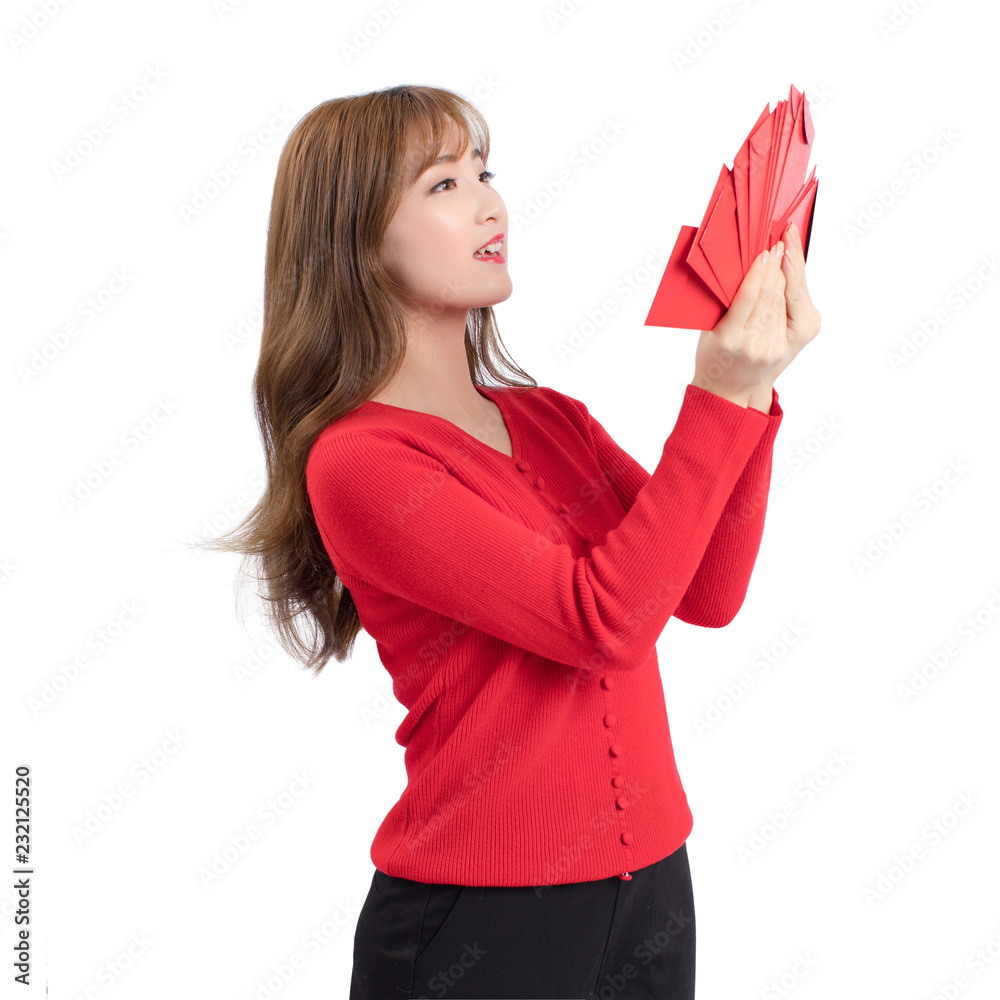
803, 320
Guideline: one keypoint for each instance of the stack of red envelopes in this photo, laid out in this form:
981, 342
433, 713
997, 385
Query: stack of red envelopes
747, 213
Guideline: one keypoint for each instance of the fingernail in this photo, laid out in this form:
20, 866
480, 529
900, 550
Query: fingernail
763, 257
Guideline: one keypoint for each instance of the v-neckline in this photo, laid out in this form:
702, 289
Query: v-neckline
494, 396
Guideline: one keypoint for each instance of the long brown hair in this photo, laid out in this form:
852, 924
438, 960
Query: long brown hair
334, 332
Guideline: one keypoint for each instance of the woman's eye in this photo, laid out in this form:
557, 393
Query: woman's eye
488, 174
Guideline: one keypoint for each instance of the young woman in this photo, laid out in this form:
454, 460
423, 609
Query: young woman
513, 564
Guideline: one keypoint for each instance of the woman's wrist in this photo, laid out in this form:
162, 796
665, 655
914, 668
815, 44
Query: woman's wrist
760, 398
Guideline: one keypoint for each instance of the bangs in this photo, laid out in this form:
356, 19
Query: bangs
440, 128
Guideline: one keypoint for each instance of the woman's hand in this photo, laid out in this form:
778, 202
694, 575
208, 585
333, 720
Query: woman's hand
742, 355
771, 318
802, 320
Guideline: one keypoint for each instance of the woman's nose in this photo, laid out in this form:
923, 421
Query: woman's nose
491, 204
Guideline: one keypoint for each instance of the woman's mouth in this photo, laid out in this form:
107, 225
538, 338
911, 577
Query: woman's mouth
492, 252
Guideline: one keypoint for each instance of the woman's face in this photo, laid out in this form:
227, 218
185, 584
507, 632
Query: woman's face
444, 218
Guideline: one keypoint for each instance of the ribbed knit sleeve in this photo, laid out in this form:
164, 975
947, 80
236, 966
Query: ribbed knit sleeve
394, 517
719, 586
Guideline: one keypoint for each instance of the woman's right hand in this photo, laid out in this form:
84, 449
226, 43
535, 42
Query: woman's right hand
748, 345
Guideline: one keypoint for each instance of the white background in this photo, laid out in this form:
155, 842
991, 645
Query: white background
862, 439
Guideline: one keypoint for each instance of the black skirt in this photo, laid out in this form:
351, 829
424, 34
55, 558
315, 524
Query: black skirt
574, 941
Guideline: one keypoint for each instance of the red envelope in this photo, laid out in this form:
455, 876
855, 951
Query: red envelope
747, 213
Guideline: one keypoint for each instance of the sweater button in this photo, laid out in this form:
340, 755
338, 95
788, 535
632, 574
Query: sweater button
626, 837
610, 720
523, 465
562, 508
540, 483
617, 781
620, 802
606, 682
616, 749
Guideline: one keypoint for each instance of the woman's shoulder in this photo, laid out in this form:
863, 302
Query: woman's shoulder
361, 430
547, 406
544, 397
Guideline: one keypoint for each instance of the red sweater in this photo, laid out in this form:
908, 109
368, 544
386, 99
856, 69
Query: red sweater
516, 603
